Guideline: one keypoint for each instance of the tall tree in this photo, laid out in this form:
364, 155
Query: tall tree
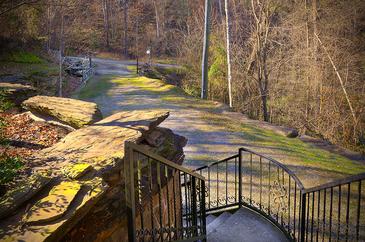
228, 40
105, 7
204, 86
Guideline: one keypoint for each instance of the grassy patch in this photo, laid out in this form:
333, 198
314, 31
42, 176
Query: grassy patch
294, 149
132, 68
151, 85
95, 87
8, 168
22, 57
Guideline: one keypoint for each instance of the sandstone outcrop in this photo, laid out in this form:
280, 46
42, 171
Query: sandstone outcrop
83, 200
69, 111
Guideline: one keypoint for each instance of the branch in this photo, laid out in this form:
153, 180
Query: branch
339, 78
17, 6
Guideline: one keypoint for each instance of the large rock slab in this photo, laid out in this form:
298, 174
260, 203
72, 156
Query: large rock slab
17, 93
17, 197
88, 180
90, 193
54, 205
72, 112
103, 142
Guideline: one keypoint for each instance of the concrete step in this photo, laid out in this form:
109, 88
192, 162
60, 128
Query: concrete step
210, 218
217, 222
245, 225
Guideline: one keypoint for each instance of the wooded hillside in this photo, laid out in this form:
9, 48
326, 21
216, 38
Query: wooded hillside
295, 63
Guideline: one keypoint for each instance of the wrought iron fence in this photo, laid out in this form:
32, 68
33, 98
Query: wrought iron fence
165, 202
335, 211
269, 187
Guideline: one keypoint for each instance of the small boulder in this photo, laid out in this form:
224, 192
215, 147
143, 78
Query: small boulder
72, 112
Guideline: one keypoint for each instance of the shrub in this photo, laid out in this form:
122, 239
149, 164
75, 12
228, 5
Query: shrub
9, 167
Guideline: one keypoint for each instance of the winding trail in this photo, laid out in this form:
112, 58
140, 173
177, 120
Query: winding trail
213, 132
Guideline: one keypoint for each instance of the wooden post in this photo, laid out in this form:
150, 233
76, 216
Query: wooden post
204, 87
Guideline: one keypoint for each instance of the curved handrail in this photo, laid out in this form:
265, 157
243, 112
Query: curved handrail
215, 163
291, 208
163, 160
284, 167
346, 180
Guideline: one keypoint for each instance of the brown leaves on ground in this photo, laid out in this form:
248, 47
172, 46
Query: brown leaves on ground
20, 136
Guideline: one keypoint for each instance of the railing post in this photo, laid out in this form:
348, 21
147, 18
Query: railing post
130, 192
240, 202
193, 205
303, 206
202, 208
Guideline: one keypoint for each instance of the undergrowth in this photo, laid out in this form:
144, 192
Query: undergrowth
22, 57
8, 168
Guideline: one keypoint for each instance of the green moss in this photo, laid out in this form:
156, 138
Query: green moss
22, 57
95, 87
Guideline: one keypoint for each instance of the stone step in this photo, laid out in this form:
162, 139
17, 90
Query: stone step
210, 218
246, 225
218, 222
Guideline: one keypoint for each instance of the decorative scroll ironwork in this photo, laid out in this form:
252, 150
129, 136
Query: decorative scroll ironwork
280, 196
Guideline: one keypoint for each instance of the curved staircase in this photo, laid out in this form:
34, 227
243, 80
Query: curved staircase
248, 197
242, 225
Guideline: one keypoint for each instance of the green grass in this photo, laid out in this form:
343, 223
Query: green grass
132, 68
95, 87
22, 57
8, 168
296, 151
5, 104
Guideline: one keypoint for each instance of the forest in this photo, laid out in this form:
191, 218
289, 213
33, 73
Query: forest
295, 63
182, 120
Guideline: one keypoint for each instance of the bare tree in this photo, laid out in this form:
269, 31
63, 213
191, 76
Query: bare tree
261, 13
105, 7
124, 6
228, 40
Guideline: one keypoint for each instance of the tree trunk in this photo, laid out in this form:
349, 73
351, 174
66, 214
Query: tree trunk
157, 20
106, 21
125, 30
61, 52
204, 87
49, 26
340, 79
220, 11
229, 75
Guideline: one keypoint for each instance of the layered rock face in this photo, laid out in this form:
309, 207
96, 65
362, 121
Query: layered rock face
72, 112
81, 198
17, 93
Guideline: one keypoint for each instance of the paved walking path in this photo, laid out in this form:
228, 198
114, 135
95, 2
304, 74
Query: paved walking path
213, 132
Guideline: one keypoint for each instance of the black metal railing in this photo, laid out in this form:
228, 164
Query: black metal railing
261, 183
165, 202
335, 211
